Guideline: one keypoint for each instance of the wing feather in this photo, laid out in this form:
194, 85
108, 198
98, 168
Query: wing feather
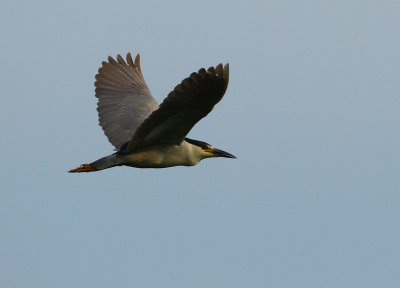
189, 102
125, 101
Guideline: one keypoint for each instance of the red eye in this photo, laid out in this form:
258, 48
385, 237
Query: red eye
204, 147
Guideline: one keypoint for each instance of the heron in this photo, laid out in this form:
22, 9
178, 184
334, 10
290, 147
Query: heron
146, 134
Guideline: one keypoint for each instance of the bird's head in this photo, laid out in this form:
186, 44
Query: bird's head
206, 150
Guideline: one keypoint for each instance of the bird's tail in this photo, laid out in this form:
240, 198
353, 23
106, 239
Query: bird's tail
103, 163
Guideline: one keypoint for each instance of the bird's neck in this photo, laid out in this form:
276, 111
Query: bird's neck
194, 153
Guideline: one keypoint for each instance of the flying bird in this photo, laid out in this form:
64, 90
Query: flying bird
146, 134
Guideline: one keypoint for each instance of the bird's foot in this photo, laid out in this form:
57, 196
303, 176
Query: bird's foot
83, 168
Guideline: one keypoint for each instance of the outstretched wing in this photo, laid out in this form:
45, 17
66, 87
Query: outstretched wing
125, 101
190, 101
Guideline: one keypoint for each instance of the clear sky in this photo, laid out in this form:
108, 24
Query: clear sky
311, 112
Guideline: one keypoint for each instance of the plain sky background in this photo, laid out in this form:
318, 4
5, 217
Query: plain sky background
311, 112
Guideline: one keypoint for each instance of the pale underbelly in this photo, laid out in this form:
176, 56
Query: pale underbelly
151, 159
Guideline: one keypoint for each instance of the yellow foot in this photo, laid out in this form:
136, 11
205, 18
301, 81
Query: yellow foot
83, 168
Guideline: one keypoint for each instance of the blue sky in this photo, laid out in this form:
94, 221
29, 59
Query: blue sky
311, 112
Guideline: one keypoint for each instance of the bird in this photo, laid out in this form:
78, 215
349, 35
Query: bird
146, 134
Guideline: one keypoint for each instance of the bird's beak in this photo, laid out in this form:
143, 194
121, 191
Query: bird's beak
221, 153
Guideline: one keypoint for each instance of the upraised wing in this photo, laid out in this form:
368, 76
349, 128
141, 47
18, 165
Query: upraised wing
190, 101
125, 101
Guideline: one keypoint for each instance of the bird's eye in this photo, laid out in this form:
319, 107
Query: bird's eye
205, 147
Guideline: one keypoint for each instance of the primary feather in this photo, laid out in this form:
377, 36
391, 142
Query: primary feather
189, 102
125, 101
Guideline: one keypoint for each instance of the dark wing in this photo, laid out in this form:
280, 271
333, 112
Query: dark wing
190, 101
125, 100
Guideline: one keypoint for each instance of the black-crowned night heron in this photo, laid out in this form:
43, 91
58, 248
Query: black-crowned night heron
148, 135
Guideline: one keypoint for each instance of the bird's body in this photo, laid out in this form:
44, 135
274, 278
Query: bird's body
160, 156
148, 135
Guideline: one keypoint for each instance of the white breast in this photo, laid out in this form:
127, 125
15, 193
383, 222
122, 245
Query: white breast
162, 156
